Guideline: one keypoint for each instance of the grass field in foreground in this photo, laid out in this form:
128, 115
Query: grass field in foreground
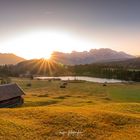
97, 112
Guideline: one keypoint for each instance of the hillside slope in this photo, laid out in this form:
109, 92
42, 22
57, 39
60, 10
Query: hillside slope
59, 122
6, 58
39, 66
130, 63
52, 113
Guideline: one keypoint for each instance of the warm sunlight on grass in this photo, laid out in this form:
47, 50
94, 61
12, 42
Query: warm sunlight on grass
86, 107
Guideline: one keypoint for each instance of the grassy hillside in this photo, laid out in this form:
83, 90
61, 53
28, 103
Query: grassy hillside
96, 112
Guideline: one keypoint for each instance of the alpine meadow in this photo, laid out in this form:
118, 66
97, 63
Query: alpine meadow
69, 70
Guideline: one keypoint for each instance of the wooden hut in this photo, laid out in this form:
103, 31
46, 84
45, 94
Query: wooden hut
11, 96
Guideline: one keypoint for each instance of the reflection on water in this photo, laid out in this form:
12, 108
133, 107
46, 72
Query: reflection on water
84, 78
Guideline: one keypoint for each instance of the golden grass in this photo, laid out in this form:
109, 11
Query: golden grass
48, 122
81, 107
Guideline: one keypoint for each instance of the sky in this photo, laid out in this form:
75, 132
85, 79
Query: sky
35, 28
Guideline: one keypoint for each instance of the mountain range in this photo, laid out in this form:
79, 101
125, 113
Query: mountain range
8, 58
75, 58
88, 57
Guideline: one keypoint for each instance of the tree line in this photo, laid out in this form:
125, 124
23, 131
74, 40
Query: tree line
107, 71
94, 70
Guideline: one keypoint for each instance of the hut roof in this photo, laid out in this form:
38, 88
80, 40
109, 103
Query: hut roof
9, 91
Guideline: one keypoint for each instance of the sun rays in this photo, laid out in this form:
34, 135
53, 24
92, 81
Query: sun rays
43, 66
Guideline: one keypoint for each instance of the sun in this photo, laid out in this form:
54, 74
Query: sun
41, 44
47, 56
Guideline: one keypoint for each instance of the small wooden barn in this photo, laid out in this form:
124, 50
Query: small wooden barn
11, 96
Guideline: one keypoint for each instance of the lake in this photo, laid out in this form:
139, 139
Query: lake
84, 78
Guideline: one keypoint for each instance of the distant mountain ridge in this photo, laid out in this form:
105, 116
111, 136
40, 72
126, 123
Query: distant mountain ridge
93, 56
8, 58
75, 58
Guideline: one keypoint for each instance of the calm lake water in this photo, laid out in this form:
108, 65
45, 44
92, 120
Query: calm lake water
84, 78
